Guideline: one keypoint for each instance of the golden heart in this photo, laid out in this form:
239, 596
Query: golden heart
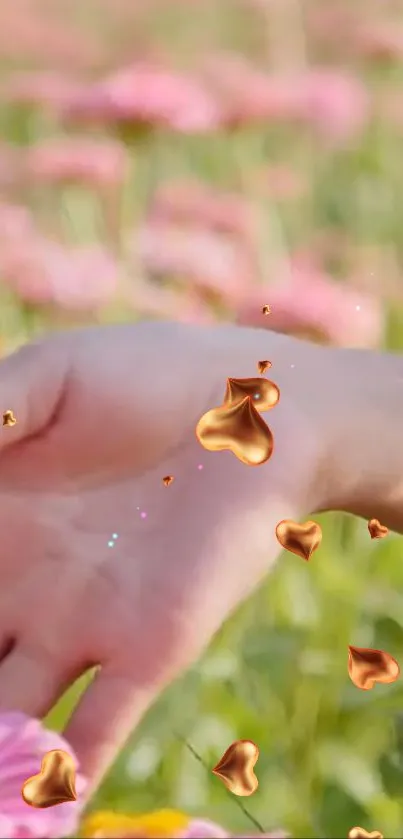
377, 530
9, 419
366, 667
239, 429
263, 393
54, 784
360, 833
262, 366
300, 539
236, 767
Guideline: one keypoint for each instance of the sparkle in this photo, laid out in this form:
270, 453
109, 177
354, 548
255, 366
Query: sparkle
292, 365
115, 535
358, 308
200, 466
143, 515
110, 544
256, 395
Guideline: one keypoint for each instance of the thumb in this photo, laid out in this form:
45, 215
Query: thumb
32, 384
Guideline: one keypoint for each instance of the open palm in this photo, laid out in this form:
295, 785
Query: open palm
101, 564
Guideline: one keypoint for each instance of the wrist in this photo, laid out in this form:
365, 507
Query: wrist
364, 467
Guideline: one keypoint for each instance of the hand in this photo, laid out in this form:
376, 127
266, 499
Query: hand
102, 415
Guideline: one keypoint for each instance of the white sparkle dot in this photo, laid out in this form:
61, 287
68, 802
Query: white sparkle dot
358, 308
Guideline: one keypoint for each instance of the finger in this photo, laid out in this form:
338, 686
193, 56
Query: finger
103, 720
31, 386
31, 681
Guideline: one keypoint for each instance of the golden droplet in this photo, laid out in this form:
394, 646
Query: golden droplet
9, 419
262, 366
377, 530
366, 667
360, 833
300, 539
236, 767
263, 393
54, 784
238, 428
167, 481
266, 310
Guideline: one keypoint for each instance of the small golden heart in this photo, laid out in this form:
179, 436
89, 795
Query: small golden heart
9, 419
236, 767
54, 784
300, 539
366, 667
360, 833
167, 481
266, 309
262, 366
238, 428
263, 393
377, 530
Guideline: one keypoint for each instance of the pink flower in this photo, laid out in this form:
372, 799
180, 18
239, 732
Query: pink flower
333, 102
42, 89
309, 304
147, 95
10, 166
194, 203
380, 41
44, 272
217, 265
92, 162
249, 95
23, 744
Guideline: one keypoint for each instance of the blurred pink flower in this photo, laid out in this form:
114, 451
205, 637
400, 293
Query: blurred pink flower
158, 301
46, 273
23, 744
309, 304
195, 203
10, 166
39, 89
217, 265
42, 34
147, 95
96, 163
247, 94
380, 41
16, 225
334, 102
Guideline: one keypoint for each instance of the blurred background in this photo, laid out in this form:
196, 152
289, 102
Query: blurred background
195, 160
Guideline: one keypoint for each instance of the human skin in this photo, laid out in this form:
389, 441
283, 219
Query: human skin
102, 415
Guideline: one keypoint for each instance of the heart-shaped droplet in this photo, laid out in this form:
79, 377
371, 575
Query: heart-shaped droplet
300, 539
54, 784
236, 767
377, 530
366, 667
263, 393
9, 419
262, 366
239, 429
167, 481
361, 833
